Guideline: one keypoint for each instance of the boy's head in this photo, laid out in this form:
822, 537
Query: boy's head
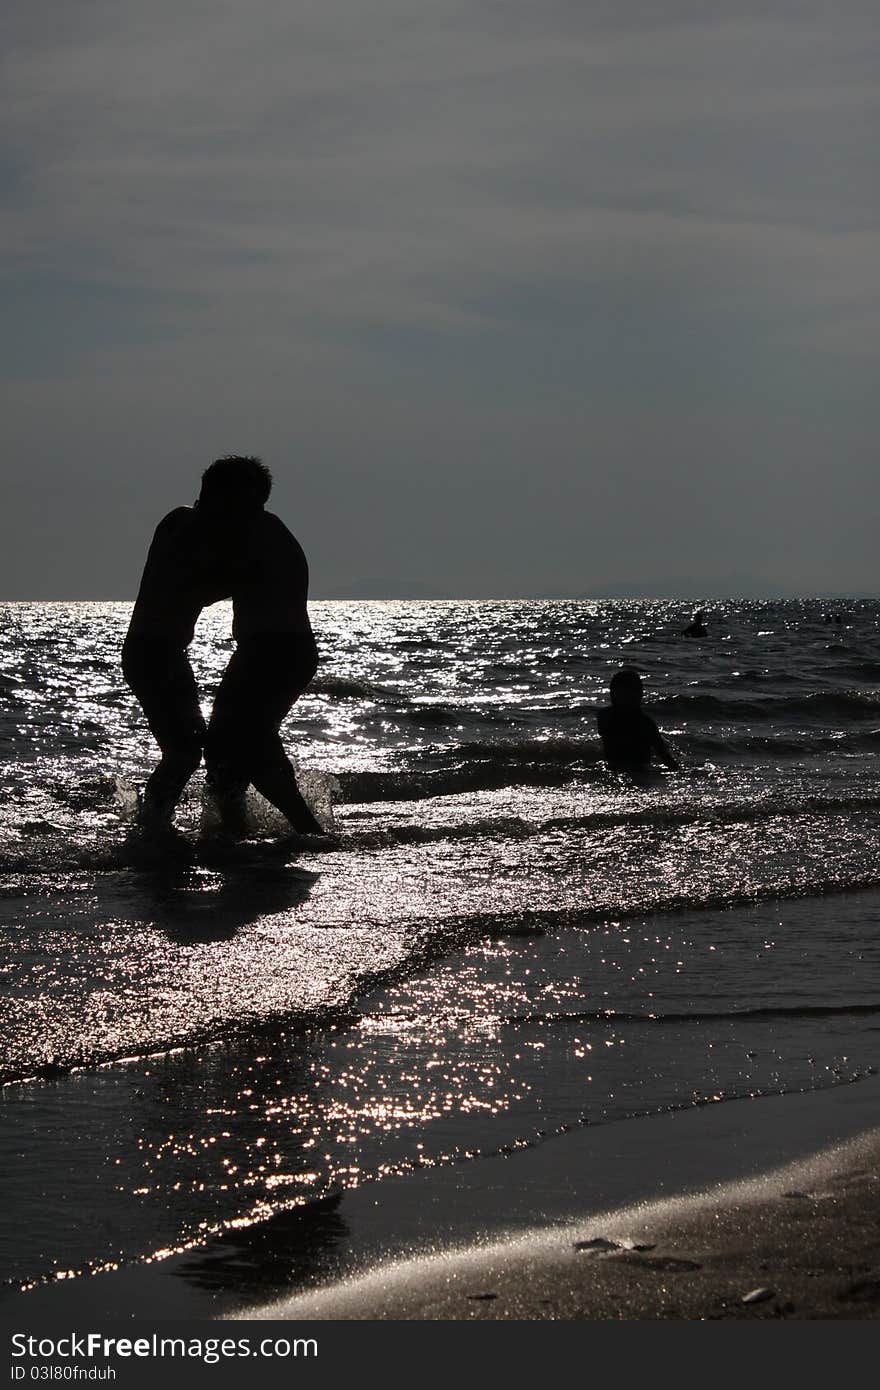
235, 483
626, 688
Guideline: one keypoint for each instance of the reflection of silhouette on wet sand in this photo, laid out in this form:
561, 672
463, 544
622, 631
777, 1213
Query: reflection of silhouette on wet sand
195, 903
269, 1258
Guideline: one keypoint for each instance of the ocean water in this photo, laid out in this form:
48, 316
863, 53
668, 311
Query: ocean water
504, 939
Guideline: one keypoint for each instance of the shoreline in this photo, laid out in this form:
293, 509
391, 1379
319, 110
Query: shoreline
801, 1242
403, 1246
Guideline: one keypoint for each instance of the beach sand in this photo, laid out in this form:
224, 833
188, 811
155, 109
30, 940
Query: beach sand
799, 1241
802, 1242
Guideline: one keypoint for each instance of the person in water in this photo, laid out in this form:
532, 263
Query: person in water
274, 660
629, 736
697, 626
182, 575
226, 545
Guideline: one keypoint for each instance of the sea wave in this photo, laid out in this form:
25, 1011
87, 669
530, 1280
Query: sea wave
459, 778
690, 1016
31, 1055
654, 817
740, 747
47, 849
348, 687
838, 705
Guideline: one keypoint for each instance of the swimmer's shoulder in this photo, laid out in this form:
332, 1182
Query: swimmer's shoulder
175, 523
278, 538
173, 529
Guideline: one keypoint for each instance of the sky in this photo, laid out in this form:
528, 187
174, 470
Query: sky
570, 298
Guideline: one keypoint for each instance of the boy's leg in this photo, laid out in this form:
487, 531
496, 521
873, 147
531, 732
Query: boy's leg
275, 779
162, 679
263, 679
226, 757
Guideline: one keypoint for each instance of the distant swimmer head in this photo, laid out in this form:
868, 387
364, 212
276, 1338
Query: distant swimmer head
626, 688
697, 626
235, 483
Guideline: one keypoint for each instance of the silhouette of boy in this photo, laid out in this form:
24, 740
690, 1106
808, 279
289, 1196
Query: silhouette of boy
274, 660
181, 577
226, 545
629, 736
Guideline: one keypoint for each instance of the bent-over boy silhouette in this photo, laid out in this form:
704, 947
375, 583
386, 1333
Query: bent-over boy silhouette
226, 545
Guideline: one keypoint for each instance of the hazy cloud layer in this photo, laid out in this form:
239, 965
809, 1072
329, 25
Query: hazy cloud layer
515, 298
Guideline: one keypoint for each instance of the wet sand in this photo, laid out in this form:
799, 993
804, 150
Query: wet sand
801, 1241
779, 1193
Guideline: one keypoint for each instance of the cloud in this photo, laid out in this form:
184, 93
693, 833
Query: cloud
479, 212
212, 148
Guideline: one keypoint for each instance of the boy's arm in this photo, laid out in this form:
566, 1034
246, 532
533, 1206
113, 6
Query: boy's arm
662, 750
602, 726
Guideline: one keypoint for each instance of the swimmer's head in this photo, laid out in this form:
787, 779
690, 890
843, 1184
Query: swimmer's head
626, 688
235, 483
699, 615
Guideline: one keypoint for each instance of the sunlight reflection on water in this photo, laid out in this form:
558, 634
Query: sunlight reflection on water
506, 939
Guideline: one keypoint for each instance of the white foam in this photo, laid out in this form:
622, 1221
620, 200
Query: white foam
320, 791
126, 797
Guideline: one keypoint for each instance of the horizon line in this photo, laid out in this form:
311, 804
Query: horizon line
690, 598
